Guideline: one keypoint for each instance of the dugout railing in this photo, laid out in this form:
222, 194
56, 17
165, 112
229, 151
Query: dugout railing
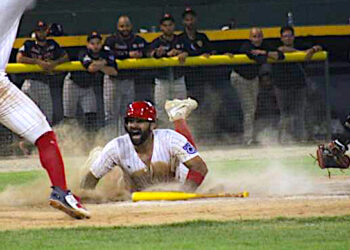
221, 117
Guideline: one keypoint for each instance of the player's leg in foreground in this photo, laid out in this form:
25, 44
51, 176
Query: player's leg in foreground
19, 113
178, 111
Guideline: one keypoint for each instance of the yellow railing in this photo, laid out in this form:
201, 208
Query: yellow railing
168, 62
216, 35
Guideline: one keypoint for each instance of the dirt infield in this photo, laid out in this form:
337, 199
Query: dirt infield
151, 213
334, 200
278, 192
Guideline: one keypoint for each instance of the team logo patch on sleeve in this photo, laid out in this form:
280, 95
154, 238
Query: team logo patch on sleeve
189, 148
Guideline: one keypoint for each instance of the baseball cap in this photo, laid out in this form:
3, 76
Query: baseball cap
166, 17
41, 25
190, 11
93, 35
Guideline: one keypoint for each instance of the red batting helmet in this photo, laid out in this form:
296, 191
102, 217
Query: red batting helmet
142, 110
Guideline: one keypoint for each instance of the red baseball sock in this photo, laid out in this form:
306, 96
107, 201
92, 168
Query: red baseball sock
51, 159
182, 128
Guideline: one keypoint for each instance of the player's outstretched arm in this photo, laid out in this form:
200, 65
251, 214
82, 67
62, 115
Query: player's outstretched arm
21, 58
89, 181
100, 167
196, 174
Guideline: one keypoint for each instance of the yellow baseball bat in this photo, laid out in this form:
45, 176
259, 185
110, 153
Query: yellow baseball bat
174, 196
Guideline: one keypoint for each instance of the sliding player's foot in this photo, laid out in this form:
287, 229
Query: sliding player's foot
179, 109
68, 203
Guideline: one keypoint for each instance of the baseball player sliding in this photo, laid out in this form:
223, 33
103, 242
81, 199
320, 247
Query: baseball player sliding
147, 155
22, 116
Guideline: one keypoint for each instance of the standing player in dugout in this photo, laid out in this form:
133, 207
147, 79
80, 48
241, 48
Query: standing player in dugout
19, 113
80, 86
149, 156
168, 44
196, 43
41, 87
120, 90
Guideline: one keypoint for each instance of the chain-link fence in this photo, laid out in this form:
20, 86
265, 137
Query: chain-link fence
239, 102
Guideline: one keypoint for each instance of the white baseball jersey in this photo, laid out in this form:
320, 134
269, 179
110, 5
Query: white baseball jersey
170, 150
17, 111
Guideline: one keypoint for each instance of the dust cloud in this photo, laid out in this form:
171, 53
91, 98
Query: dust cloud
75, 145
274, 180
32, 193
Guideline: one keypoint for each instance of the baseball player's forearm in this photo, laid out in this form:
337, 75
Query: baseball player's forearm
94, 67
276, 55
109, 71
89, 181
152, 53
287, 49
314, 49
24, 59
182, 57
193, 181
61, 60
197, 172
157, 53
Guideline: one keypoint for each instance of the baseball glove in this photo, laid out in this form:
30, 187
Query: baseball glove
332, 156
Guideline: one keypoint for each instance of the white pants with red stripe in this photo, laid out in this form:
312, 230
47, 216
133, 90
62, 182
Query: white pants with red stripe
19, 113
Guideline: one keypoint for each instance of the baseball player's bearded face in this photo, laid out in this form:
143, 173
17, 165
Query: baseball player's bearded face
124, 27
287, 38
95, 45
40, 35
189, 21
139, 130
168, 27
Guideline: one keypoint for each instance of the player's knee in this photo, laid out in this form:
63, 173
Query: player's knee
45, 138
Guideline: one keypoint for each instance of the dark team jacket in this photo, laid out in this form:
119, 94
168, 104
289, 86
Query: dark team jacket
291, 74
50, 51
196, 47
86, 79
251, 71
176, 43
121, 47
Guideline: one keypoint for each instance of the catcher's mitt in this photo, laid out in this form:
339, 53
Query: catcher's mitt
332, 156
